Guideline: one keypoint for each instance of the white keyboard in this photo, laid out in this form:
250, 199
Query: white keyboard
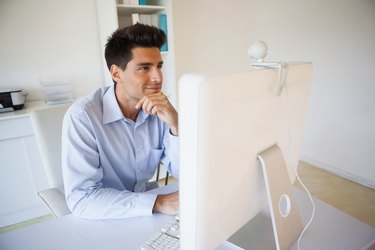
167, 238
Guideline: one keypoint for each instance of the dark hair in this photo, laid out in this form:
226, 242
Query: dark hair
118, 49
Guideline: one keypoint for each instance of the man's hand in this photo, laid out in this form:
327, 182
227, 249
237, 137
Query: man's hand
159, 105
167, 203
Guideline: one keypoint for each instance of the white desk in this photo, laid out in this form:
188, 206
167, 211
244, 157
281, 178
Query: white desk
70, 232
331, 230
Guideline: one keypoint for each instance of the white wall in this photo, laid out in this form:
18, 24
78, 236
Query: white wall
210, 35
49, 37
336, 35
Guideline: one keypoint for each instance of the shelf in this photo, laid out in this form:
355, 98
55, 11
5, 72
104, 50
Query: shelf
123, 9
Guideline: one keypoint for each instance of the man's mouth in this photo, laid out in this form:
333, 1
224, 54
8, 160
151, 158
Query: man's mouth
155, 89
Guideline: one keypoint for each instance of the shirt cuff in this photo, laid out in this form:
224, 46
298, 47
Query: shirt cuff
145, 203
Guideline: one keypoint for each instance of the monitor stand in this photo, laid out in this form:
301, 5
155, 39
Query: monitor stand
286, 221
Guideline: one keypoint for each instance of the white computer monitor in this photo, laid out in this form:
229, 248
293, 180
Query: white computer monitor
225, 121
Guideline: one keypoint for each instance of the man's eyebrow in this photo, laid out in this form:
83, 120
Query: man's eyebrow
149, 64
144, 64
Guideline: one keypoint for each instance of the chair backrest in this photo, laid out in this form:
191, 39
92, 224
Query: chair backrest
47, 124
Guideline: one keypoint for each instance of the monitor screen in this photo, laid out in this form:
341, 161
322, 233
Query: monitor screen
225, 121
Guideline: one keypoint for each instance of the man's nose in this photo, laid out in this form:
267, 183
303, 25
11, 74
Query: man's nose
156, 75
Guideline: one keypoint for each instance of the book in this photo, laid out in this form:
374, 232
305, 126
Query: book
134, 2
145, 19
163, 27
142, 2
155, 20
135, 18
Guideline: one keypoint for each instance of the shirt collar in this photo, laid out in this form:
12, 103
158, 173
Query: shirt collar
142, 116
112, 111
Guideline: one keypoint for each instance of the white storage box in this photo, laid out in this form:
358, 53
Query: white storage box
56, 89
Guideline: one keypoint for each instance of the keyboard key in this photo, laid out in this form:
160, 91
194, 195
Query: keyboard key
168, 238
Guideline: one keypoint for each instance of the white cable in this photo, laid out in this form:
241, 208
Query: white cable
313, 211
295, 167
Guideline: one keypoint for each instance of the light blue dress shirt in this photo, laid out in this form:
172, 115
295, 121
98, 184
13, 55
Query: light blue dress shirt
107, 159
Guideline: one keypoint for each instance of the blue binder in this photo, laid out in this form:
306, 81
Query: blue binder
163, 27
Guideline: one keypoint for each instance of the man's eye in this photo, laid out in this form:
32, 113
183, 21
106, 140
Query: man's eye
143, 68
160, 66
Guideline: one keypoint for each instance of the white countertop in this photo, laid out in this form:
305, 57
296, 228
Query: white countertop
26, 110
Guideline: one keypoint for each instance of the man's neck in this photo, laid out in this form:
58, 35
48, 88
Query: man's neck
128, 108
129, 111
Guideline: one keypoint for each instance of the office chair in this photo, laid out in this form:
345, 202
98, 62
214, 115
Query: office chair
158, 175
47, 124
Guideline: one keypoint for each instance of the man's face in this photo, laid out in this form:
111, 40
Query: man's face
142, 75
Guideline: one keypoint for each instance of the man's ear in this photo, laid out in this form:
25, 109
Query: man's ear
115, 71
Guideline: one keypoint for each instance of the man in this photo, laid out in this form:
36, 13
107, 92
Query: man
114, 139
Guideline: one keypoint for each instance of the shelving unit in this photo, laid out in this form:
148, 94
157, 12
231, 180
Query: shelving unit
156, 15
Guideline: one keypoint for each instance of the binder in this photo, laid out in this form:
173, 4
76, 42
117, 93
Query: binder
163, 27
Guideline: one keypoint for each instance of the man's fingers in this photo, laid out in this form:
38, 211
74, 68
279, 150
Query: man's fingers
139, 103
148, 103
154, 110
